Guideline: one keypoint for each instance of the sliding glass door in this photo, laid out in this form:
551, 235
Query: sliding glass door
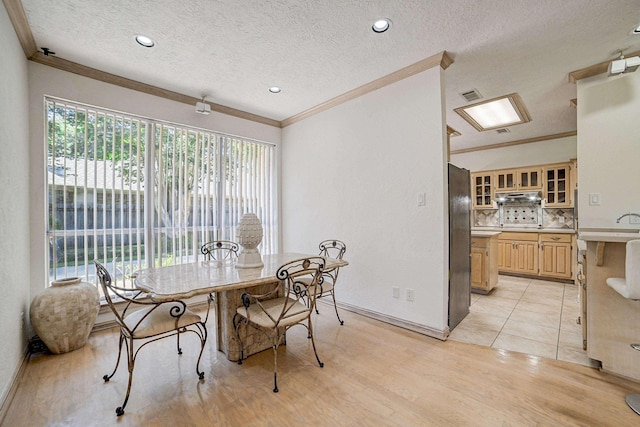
135, 192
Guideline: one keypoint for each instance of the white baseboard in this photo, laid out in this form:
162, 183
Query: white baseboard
405, 324
5, 401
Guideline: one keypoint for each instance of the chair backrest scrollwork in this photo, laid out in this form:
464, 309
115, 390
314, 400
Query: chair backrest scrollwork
332, 248
219, 250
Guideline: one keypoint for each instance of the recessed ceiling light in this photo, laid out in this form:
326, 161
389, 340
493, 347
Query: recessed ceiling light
381, 25
495, 113
275, 89
144, 41
636, 30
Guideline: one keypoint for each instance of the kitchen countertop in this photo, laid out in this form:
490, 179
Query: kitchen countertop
524, 230
484, 233
608, 235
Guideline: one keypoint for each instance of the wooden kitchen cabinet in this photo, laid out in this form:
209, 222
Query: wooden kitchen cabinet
530, 179
557, 189
482, 190
556, 255
518, 253
484, 263
506, 180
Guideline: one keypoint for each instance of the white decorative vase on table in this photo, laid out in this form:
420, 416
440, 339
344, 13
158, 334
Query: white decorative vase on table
249, 235
64, 314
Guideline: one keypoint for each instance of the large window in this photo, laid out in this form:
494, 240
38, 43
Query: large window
135, 193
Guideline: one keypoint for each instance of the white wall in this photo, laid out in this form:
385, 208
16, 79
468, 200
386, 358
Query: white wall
353, 173
609, 149
14, 203
535, 153
45, 80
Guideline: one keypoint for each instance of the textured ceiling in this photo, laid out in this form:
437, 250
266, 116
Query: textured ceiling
232, 50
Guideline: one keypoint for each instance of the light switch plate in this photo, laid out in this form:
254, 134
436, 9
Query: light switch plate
594, 199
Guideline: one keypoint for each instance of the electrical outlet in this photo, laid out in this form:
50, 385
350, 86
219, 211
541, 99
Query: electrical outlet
409, 294
395, 292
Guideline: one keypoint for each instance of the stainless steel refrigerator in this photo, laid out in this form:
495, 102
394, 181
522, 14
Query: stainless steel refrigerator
459, 245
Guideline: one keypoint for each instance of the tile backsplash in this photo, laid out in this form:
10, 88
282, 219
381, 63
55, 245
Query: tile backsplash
558, 218
486, 218
561, 218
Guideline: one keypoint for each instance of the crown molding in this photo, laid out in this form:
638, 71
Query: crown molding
441, 59
93, 73
20, 23
517, 142
18, 18
594, 70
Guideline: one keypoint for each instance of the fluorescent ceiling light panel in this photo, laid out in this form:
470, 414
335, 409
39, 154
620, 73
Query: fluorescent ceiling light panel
495, 113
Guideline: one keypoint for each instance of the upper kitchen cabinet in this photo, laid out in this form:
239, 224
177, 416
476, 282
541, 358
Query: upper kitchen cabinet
518, 179
530, 179
482, 190
506, 180
557, 189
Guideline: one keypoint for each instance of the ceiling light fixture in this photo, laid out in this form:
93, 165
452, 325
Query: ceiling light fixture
202, 107
495, 113
623, 65
275, 89
381, 25
144, 41
636, 30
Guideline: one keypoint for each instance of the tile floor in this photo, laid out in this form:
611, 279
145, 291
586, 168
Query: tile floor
530, 316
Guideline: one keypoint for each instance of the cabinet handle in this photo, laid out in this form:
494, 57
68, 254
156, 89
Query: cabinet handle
541, 245
555, 238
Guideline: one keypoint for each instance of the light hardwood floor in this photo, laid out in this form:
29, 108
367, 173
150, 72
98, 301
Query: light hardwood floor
375, 374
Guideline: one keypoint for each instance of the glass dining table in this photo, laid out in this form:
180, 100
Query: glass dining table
222, 278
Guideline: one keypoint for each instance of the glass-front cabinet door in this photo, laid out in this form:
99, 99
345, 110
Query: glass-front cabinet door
530, 179
482, 190
506, 180
557, 191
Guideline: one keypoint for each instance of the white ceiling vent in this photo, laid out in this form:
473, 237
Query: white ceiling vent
471, 95
503, 130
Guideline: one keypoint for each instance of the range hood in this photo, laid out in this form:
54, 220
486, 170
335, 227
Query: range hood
518, 197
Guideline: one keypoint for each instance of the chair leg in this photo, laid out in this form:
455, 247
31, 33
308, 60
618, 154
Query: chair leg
313, 343
178, 342
236, 326
335, 305
275, 364
131, 363
107, 377
203, 340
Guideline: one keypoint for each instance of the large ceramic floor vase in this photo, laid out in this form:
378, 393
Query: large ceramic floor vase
64, 314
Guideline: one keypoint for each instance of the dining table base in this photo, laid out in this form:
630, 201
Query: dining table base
255, 341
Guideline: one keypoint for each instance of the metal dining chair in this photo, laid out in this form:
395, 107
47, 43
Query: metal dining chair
329, 249
287, 305
146, 321
220, 250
